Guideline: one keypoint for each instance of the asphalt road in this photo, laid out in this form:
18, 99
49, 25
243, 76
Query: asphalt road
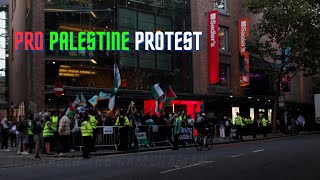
286, 159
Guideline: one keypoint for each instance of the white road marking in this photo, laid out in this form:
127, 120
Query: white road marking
192, 165
258, 150
238, 155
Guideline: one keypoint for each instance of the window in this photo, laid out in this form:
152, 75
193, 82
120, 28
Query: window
223, 38
221, 5
224, 77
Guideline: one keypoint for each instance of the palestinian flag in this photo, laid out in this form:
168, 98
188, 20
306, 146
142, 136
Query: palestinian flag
157, 91
116, 86
168, 97
70, 112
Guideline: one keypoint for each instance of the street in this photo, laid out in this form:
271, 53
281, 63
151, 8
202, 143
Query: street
284, 158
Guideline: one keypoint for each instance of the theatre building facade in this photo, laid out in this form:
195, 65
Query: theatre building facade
32, 75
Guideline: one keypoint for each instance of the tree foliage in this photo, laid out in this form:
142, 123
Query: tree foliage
292, 24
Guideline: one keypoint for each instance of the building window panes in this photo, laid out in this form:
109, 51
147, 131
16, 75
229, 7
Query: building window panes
221, 5
223, 38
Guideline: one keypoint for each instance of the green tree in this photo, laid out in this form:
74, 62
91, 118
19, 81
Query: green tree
292, 25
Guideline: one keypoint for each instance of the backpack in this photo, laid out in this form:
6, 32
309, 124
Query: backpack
22, 126
121, 120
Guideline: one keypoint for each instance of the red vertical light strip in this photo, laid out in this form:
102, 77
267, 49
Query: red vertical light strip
213, 47
244, 54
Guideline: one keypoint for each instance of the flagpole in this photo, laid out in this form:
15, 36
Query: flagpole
58, 102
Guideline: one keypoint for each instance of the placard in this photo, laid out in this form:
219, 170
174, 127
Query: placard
108, 130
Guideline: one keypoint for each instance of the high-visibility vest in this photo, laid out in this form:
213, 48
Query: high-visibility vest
126, 121
54, 120
30, 127
47, 132
239, 121
264, 122
248, 121
93, 122
86, 129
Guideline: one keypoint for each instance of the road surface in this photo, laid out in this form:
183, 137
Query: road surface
286, 159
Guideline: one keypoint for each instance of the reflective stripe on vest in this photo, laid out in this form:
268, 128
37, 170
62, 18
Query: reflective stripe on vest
238, 121
54, 120
86, 129
46, 131
264, 122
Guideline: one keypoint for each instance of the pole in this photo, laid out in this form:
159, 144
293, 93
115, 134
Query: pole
58, 103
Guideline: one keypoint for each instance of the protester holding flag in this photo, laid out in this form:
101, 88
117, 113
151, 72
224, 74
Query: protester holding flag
157, 93
116, 86
169, 96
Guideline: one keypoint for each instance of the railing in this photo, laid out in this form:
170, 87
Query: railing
147, 136
106, 136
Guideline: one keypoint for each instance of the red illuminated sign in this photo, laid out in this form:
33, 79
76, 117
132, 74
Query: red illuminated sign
244, 54
213, 48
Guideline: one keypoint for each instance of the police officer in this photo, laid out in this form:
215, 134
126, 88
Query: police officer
54, 121
264, 122
239, 124
93, 122
87, 134
124, 123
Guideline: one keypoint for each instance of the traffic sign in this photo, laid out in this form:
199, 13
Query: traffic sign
58, 89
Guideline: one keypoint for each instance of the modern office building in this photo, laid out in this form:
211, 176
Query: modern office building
33, 74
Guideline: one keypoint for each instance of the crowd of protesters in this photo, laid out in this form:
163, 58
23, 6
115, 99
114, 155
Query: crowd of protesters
50, 132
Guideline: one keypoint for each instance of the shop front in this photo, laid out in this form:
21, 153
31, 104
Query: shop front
190, 107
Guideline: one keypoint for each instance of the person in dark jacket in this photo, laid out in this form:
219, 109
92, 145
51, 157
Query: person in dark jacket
109, 120
37, 135
254, 128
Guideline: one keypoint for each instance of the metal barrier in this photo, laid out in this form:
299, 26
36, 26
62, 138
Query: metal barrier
106, 136
160, 134
109, 136
143, 135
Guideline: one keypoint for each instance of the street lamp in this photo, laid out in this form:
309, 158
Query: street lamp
93, 61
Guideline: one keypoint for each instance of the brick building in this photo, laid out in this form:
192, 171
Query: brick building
32, 74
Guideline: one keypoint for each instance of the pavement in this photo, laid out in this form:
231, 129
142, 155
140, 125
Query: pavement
294, 157
11, 159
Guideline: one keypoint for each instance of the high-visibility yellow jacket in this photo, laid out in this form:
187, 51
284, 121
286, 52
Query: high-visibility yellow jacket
264, 122
126, 121
93, 122
86, 129
54, 120
47, 130
238, 121
30, 127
